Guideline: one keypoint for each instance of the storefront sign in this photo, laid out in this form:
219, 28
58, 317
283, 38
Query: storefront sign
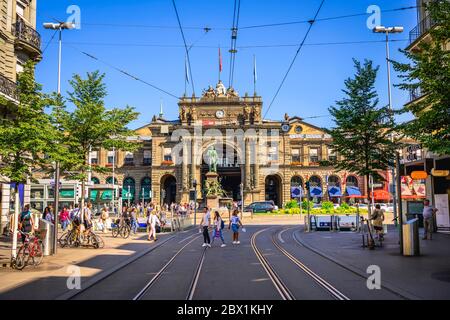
419, 175
414, 152
440, 173
208, 122
442, 215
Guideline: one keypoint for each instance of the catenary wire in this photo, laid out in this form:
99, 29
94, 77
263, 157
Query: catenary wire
295, 57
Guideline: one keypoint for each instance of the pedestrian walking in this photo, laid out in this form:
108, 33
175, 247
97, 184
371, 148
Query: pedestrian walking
104, 216
428, 215
64, 218
235, 223
134, 223
378, 217
218, 228
152, 221
205, 225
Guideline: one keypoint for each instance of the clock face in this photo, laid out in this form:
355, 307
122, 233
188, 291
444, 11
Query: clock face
220, 114
285, 127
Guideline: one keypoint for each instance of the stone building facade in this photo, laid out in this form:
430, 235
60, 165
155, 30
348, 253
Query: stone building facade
265, 158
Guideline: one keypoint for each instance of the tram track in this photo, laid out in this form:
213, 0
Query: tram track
302, 244
121, 266
158, 275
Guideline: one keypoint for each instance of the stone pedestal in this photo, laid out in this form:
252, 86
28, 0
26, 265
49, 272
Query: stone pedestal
212, 201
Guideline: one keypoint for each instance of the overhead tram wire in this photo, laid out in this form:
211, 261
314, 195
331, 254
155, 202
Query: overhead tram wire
234, 33
311, 23
185, 46
124, 72
325, 19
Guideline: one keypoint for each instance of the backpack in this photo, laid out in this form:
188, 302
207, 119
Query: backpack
222, 224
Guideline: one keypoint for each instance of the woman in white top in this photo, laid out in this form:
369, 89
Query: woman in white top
152, 220
218, 226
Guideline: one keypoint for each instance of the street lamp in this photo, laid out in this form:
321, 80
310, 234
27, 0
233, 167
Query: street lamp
194, 185
58, 26
387, 31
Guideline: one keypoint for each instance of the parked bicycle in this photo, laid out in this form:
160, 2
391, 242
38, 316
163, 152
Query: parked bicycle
74, 237
32, 249
121, 228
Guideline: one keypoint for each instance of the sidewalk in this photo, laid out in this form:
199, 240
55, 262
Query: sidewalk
423, 277
53, 268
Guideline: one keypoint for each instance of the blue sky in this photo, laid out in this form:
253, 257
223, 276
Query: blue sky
142, 38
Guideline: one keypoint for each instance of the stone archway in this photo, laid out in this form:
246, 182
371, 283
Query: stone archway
273, 189
168, 189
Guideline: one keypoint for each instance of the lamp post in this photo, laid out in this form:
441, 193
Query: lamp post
194, 184
387, 31
58, 26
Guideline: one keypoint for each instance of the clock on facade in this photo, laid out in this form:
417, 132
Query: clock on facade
220, 114
285, 127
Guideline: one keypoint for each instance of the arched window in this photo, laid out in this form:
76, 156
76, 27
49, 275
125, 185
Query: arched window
296, 181
352, 181
95, 180
334, 181
129, 189
146, 186
315, 181
109, 180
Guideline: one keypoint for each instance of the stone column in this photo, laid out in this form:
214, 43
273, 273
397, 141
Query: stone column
256, 165
194, 165
184, 166
247, 164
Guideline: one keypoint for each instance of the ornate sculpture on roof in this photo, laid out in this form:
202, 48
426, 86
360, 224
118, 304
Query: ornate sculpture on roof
231, 93
193, 113
256, 114
183, 114
286, 117
209, 93
221, 91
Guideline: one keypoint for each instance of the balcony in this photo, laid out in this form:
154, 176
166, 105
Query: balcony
424, 26
8, 88
415, 94
27, 38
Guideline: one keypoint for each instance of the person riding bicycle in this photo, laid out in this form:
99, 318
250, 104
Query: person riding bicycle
378, 217
26, 221
87, 219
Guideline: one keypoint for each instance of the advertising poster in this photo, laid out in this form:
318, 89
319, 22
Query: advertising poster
442, 215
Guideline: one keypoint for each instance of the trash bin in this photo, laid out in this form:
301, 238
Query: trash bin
411, 246
46, 231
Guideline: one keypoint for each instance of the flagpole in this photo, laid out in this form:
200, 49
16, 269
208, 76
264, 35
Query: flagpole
185, 76
220, 62
254, 75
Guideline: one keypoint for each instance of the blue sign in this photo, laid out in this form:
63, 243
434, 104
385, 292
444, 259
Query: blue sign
296, 192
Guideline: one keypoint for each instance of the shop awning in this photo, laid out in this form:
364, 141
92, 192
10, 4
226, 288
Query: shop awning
353, 192
381, 195
315, 192
296, 192
334, 191
93, 194
107, 195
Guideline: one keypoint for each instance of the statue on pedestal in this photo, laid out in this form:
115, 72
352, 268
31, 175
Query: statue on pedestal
212, 156
221, 90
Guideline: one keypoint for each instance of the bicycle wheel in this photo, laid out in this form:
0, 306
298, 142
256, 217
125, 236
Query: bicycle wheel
63, 239
22, 257
100, 242
125, 232
115, 231
37, 253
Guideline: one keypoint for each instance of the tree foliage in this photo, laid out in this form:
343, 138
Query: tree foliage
90, 126
429, 71
27, 133
363, 130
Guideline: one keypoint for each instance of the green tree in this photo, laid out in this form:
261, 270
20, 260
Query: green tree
363, 130
90, 126
429, 71
25, 135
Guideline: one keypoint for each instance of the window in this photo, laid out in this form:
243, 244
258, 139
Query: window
129, 158
37, 193
331, 155
93, 155
20, 9
296, 155
167, 154
111, 157
19, 67
313, 155
272, 153
147, 161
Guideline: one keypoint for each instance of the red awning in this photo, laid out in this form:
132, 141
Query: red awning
381, 195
